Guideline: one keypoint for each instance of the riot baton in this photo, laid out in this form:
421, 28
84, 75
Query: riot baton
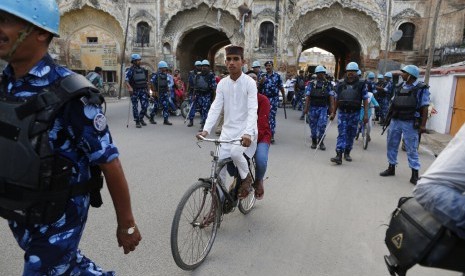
305, 130
284, 106
324, 135
190, 108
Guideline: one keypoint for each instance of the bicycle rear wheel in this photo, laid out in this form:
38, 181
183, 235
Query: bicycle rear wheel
246, 204
194, 226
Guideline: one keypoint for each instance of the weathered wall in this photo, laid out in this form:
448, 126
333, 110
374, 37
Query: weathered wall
171, 21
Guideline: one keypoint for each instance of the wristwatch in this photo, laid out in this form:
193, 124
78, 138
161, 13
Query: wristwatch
128, 231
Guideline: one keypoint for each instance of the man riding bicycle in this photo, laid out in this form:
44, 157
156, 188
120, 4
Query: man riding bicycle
237, 95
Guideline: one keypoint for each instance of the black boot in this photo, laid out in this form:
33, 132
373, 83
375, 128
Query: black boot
338, 158
166, 122
391, 170
347, 156
314, 143
191, 123
414, 177
142, 122
138, 124
152, 121
322, 145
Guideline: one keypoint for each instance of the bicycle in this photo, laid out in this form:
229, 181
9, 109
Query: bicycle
108, 89
362, 128
200, 211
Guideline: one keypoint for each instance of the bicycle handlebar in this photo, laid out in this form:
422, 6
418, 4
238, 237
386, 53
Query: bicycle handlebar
218, 140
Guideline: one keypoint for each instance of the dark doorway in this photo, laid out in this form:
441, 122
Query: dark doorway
342, 45
408, 33
199, 44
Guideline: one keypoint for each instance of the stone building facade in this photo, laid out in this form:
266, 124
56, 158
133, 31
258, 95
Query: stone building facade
182, 31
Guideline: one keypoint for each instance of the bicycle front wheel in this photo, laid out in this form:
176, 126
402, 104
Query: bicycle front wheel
365, 138
185, 108
194, 226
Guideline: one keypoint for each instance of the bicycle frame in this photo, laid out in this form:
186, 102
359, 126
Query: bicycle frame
216, 163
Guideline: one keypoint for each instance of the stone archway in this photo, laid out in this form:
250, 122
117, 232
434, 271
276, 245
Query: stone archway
199, 44
349, 34
198, 33
80, 53
342, 45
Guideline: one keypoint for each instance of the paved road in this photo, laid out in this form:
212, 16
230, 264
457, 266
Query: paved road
316, 218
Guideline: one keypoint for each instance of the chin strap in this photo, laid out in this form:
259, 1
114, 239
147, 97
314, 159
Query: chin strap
21, 37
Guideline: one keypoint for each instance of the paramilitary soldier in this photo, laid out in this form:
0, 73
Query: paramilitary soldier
204, 89
137, 86
269, 84
408, 113
54, 141
319, 97
256, 67
299, 92
379, 83
384, 96
161, 88
350, 93
191, 77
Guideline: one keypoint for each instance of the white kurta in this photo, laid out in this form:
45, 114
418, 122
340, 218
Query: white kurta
239, 99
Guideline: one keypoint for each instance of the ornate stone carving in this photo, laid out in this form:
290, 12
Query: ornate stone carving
405, 13
267, 12
354, 22
109, 6
369, 7
202, 16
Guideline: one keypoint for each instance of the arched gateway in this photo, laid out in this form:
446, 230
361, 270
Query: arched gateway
349, 34
199, 33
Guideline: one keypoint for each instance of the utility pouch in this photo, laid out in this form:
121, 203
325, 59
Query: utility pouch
414, 236
97, 184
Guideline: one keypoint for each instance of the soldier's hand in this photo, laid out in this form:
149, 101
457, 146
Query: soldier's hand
129, 242
203, 134
246, 140
331, 117
422, 129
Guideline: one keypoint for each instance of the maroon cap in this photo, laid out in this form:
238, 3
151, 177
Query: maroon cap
234, 50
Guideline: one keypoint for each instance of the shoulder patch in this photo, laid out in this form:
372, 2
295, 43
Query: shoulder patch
100, 122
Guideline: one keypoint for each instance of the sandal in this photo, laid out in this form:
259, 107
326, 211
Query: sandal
259, 189
244, 188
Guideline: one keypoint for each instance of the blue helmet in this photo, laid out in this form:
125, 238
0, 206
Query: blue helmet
352, 66
388, 75
256, 64
359, 73
320, 69
162, 64
380, 76
412, 70
135, 57
198, 63
371, 75
205, 62
43, 14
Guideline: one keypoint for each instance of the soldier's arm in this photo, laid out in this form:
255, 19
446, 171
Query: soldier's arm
119, 191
